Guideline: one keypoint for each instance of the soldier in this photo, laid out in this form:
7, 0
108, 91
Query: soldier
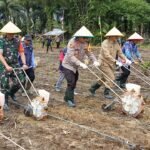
109, 49
77, 48
9, 48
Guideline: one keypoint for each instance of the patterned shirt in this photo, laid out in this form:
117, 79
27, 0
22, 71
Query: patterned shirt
9, 49
131, 51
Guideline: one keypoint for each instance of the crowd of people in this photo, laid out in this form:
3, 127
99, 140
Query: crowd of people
16, 54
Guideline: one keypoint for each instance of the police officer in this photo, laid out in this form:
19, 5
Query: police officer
9, 49
109, 49
77, 48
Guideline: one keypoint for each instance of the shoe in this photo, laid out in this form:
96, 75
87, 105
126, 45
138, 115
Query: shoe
123, 86
93, 88
13, 97
92, 93
75, 93
71, 103
57, 89
6, 107
107, 94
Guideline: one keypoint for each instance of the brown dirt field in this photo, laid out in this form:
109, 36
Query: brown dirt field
55, 134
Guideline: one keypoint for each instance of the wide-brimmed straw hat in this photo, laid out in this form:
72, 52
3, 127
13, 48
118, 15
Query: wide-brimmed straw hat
114, 32
83, 32
136, 36
10, 28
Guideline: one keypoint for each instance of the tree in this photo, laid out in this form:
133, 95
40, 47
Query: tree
10, 10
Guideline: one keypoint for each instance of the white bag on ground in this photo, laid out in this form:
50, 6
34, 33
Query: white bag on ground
39, 107
133, 87
45, 94
2, 99
40, 104
132, 101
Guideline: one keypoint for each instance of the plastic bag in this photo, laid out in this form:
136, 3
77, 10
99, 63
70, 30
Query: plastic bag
132, 103
39, 107
45, 94
2, 99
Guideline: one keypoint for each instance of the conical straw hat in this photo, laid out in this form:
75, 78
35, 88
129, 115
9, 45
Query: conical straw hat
135, 36
10, 28
83, 32
114, 32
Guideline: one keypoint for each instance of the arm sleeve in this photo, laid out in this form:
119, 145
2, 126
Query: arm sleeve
33, 61
120, 53
20, 49
71, 54
137, 53
106, 53
127, 52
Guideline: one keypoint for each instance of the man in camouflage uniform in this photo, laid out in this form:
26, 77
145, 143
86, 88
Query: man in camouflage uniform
9, 49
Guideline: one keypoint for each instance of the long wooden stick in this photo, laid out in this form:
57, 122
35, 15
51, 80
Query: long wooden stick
1, 134
106, 136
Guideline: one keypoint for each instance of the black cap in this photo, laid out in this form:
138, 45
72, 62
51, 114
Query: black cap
27, 37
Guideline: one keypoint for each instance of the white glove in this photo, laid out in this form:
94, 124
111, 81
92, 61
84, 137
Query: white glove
25, 67
96, 64
119, 63
128, 62
84, 66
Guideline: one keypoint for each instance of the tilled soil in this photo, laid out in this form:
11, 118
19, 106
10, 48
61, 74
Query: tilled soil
85, 127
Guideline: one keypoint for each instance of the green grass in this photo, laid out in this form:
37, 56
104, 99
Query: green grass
145, 46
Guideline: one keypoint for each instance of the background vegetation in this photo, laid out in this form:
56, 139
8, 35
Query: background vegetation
40, 16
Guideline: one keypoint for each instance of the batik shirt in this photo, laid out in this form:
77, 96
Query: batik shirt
131, 51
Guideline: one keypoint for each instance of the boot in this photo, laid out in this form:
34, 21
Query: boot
123, 85
12, 92
71, 103
6, 107
13, 97
107, 93
93, 88
69, 98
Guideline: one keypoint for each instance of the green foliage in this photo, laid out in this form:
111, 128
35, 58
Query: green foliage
146, 65
37, 16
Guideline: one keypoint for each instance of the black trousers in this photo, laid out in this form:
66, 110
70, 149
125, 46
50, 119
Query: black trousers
124, 75
31, 75
57, 44
48, 48
72, 79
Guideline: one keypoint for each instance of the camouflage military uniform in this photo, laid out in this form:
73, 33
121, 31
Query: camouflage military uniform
9, 83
